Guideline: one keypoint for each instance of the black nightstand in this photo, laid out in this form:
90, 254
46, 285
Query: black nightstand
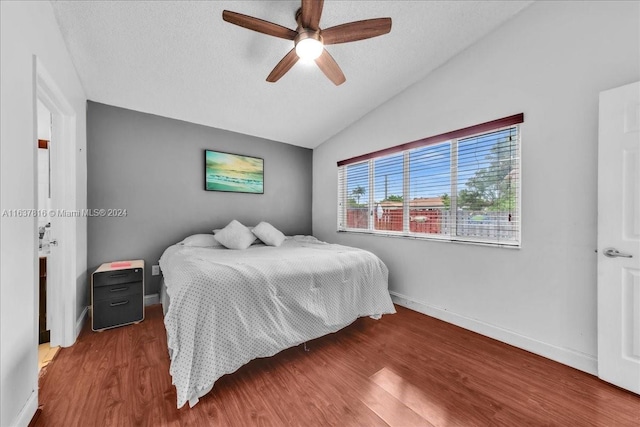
117, 294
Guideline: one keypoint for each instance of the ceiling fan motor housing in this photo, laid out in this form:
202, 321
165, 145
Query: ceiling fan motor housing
308, 34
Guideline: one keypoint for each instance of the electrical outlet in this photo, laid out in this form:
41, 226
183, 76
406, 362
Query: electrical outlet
155, 270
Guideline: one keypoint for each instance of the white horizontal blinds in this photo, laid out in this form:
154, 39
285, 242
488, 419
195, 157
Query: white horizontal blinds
342, 198
488, 187
429, 198
353, 188
462, 185
388, 194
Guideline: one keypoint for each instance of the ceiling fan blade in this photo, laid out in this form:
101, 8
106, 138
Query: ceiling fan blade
330, 68
259, 25
283, 66
311, 12
358, 30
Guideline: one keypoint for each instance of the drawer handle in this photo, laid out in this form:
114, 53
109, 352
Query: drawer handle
119, 289
114, 304
113, 276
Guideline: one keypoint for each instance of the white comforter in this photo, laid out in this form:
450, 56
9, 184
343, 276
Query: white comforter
229, 307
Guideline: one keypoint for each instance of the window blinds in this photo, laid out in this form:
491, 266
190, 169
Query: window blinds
464, 188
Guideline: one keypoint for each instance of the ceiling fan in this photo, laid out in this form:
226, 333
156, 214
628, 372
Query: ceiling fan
309, 39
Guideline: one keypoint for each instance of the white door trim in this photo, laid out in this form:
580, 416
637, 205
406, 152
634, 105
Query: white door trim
62, 297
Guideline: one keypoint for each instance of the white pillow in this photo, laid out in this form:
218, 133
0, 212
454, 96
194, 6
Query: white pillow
255, 242
235, 236
268, 234
201, 240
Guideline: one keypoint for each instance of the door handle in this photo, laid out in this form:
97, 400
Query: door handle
614, 253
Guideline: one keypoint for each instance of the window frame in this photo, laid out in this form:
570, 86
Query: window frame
453, 138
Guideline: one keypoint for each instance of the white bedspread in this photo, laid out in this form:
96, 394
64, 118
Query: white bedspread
229, 307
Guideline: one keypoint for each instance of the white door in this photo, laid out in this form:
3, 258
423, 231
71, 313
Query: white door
619, 237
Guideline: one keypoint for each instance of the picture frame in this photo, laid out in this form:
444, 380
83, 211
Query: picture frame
235, 173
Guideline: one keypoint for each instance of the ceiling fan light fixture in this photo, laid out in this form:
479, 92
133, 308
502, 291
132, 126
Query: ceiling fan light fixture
309, 45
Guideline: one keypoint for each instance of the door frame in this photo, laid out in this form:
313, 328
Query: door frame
61, 298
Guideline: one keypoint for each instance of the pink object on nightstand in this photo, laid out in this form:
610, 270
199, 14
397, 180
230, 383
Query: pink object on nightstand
120, 264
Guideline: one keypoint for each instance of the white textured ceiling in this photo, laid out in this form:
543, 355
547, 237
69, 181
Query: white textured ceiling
179, 59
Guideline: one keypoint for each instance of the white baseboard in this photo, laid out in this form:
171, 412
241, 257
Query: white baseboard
28, 410
151, 299
80, 322
575, 359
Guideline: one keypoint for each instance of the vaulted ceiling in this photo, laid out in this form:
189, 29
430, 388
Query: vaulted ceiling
179, 59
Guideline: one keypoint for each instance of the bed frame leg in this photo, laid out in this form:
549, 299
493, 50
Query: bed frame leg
305, 346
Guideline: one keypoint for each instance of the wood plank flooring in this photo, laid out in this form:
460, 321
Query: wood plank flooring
406, 369
46, 353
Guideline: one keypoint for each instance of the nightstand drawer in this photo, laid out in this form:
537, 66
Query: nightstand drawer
117, 311
116, 291
116, 277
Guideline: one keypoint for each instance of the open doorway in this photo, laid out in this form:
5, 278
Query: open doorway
46, 352
61, 269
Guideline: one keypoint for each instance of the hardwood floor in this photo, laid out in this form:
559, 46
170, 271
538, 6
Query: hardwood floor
46, 353
404, 370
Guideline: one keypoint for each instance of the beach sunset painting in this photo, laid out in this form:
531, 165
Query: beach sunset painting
232, 172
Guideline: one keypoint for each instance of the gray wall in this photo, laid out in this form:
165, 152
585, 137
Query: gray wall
154, 167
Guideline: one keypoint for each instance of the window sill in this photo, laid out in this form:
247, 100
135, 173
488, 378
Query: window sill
434, 238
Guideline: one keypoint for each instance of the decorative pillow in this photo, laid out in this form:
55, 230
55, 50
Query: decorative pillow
255, 242
235, 236
268, 234
201, 240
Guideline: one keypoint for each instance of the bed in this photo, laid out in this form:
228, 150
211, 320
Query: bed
226, 307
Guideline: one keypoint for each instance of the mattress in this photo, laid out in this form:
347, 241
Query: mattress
231, 306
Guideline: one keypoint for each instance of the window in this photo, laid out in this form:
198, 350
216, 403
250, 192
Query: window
357, 196
459, 186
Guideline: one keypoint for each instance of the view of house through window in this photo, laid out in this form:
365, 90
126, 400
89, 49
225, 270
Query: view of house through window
464, 189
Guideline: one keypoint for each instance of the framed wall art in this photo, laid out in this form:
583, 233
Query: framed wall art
233, 173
